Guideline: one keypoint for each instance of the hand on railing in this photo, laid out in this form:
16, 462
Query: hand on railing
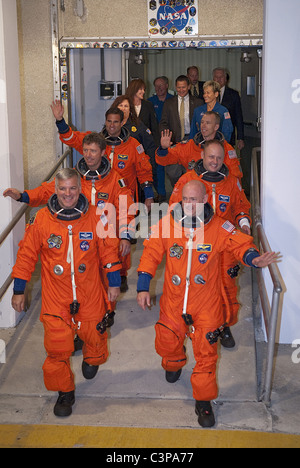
13, 193
246, 230
266, 259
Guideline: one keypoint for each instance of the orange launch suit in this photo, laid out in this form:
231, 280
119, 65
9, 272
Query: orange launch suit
228, 201
205, 296
49, 237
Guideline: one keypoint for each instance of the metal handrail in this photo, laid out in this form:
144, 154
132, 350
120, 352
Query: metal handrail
270, 314
21, 212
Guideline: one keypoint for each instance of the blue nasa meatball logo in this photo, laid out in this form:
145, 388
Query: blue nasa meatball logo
173, 18
203, 258
84, 246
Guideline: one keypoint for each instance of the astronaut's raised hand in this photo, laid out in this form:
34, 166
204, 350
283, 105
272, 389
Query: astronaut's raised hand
57, 109
166, 139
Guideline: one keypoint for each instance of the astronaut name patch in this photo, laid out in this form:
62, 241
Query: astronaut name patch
224, 198
86, 236
103, 195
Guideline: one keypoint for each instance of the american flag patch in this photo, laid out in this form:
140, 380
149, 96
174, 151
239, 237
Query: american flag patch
140, 149
226, 115
228, 226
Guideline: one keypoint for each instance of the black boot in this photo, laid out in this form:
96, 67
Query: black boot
227, 339
63, 406
172, 377
89, 371
205, 413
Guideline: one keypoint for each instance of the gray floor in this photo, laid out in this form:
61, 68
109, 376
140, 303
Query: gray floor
130, 389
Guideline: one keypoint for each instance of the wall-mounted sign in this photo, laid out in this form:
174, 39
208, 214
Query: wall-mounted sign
171, 18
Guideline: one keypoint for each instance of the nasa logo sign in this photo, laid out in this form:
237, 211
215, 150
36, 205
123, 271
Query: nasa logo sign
173, 17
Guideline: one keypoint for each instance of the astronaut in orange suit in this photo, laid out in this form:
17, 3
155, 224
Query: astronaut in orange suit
125, 154
65, 234
192, 238
228, 201
187, 152
102, 186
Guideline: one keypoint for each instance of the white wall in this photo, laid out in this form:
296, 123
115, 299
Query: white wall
88, 111
281, 151
11, 157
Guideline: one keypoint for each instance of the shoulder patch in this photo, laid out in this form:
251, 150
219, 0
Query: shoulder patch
228, 226
226, 115
122, 183
140, 149
232, 154
32, 220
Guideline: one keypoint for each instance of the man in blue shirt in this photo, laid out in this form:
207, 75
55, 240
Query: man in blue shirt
161, 85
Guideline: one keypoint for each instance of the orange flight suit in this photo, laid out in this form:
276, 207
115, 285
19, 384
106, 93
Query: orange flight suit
48, 236
100, 190
229, 201
204, 302
187, 152
127, 158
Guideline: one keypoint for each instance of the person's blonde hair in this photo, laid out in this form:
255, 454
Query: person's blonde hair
215, 86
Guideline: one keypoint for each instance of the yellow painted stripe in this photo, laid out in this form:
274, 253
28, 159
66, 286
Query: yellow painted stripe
50, 436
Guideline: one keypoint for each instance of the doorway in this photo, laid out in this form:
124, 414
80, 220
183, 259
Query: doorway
88, 68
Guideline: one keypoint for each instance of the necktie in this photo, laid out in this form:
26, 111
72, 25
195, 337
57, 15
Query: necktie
195, 92
181, 115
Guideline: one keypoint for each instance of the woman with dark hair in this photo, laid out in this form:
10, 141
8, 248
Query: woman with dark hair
140, 132
144, 109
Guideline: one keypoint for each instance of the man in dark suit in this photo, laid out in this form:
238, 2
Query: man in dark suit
196, 85
230, 99
176, 116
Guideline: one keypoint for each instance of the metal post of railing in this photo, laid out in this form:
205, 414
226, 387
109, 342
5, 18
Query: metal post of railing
270, 315
266, 394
